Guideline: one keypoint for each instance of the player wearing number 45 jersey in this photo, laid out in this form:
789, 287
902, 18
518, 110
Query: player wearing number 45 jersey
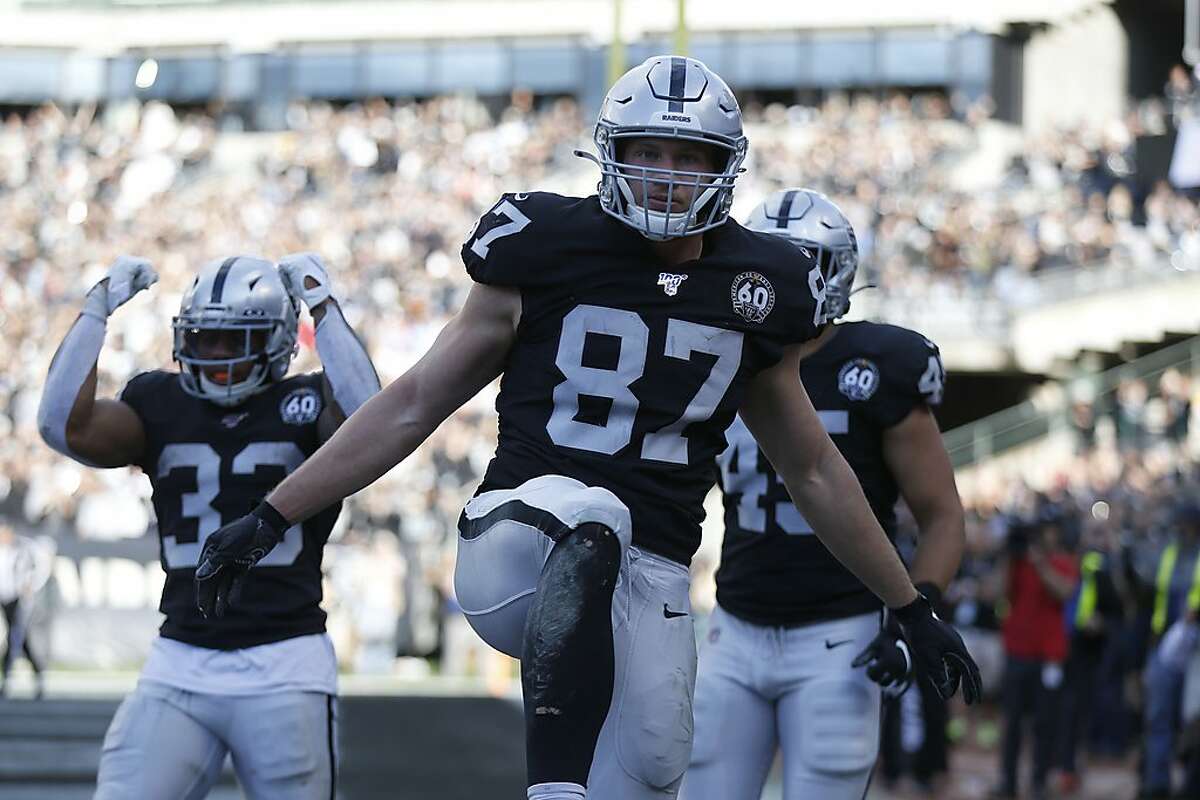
629, 328
793, 627
260, 682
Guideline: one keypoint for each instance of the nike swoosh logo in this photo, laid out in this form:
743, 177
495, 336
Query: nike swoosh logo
669, 614
830, 645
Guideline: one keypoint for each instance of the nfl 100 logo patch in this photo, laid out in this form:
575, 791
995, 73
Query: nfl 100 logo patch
753, 296
300, 407
858, 379
670, 282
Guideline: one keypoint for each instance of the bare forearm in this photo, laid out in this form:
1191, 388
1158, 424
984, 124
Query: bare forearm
832, 501
939, 548
378, 436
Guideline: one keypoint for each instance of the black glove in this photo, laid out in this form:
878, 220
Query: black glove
230, 552
887, 658
938, 651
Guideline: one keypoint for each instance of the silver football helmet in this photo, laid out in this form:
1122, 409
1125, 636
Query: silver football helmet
237, 312
671, 97
813, 221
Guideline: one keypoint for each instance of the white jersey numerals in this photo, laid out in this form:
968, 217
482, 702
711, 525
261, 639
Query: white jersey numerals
516, 224
740, 475
683, 339
198, 504
932, 380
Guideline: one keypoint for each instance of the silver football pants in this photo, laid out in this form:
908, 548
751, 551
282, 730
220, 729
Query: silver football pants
761, 688
644, 745
169, 743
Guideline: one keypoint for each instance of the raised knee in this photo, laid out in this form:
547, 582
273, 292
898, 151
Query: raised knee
570, 623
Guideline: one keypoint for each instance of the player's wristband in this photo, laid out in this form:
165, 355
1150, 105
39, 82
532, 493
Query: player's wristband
272, 518
916, 610
931, 592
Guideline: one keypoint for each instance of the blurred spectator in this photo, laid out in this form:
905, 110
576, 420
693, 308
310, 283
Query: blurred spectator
24, 568
1041, 577
1176, 603
1093, 613
1176, 393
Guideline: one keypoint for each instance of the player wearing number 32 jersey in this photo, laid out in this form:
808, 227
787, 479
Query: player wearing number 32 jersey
629, 328
214, 437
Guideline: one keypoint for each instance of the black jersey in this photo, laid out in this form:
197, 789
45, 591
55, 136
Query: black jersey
209, 465
626, 373
864, 380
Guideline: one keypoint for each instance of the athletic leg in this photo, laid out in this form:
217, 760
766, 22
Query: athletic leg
285, 745
646, 741
159, 745
829, 716
735, 723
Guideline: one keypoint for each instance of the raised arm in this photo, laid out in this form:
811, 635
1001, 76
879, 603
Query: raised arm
99, 433
350, 378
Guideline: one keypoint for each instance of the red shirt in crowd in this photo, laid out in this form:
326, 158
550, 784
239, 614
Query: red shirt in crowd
1034, 628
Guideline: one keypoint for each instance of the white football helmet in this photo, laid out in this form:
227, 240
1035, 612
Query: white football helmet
812, 220
671, 97
242, 295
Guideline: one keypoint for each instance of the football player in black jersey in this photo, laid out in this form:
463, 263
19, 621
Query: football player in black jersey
792, 626
630, 327
214, 437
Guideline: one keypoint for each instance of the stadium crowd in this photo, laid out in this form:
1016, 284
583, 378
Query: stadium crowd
387, 192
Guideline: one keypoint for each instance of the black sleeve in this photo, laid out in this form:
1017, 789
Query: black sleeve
912, 374
145, 393
792, 286
500, 250
142, 391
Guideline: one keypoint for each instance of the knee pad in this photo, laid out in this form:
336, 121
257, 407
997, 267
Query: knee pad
505, 539
838, 723
574, 600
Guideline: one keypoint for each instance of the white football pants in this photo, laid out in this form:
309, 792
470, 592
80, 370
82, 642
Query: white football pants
793, 688
647, 737
164, 742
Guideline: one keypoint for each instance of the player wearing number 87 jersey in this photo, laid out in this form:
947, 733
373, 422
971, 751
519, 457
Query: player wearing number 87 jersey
629, 328
873, 386
213, 438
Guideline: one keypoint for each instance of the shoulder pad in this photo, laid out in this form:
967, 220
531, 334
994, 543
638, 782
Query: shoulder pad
507, 246
911, 363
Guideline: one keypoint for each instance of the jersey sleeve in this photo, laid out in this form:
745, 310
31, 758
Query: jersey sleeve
142, 391
912, 374
501, 248
145, 394
801, 295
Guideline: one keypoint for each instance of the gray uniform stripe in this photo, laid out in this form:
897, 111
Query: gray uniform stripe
678, 84
785, 209
219, 281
